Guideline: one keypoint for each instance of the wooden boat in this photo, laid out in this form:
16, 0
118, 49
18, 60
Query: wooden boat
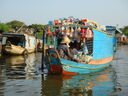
16, 50
104, 43
18, 44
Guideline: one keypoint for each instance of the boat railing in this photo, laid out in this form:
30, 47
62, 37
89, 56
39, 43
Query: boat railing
82, 26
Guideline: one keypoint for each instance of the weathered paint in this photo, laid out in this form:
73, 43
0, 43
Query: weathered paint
30, 43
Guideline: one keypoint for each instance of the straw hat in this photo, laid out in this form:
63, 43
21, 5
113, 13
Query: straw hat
66, 40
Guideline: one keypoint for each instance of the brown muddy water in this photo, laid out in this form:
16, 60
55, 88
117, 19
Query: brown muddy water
21, 76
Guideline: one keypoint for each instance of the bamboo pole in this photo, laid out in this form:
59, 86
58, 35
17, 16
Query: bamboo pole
42, 65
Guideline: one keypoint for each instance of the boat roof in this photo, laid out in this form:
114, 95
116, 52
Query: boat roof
118, 30
83, 26
13, 34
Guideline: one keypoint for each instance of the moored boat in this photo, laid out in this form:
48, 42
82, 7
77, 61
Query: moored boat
100, 44
18, 44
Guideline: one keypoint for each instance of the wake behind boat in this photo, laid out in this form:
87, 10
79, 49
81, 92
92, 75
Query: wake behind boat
94, 46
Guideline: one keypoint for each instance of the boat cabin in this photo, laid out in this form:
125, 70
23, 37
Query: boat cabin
15, 39
20, 42
87, 39
81, 38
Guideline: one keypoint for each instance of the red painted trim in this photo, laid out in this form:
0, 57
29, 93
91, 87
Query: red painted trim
67, 77
69, 73
56, 69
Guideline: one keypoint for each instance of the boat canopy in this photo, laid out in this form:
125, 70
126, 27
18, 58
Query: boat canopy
12, 35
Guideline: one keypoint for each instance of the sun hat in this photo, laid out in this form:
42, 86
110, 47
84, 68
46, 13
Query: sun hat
66, 40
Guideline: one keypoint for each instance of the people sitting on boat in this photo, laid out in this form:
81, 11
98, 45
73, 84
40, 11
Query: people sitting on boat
75, 46
64, 51
84, 49
73, 49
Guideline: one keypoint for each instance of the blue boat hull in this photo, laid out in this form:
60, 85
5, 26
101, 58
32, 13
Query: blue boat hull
55, 64
70, 67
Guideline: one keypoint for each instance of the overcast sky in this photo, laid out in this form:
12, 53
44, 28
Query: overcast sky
104, 12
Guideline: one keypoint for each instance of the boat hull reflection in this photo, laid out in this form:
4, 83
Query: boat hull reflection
96, 84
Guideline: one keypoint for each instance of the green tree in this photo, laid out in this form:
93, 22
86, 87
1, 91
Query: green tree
125, 30
5, 27
39, 29
15, 24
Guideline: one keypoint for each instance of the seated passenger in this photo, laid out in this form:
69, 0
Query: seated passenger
84, 49
73, 48
64, 51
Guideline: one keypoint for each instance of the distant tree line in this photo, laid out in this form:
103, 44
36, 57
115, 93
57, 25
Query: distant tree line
125, 30
15, 26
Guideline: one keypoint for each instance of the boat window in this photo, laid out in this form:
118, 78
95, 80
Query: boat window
89, 44
18, 41
4, 40
110, 30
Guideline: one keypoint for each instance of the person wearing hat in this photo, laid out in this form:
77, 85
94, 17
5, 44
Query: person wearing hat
64, 51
